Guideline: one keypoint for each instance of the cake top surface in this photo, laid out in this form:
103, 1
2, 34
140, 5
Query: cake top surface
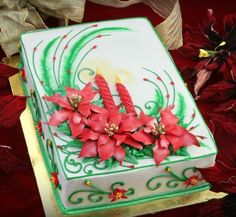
126, 52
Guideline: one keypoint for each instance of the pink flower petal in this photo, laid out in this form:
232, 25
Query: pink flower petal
160, 154
129, 123
76, 129
119, 154
97, 123
175, 141
168, 118
202, 77
164, 143
58, 117
115, 118
76, 118
143, 137
59, 100
189, 139
147, 120
89, 149
131, 142
103, 139
119, 139
87, 92
98, 109
84, 109
107, 150
175, 130
89, 134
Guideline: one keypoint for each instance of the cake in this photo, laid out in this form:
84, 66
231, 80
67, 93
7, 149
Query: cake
115, 122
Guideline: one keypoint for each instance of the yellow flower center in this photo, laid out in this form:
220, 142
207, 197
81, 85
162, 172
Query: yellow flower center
75, 100
118, 195
111, 129
53, 180
194, 181
203, 53
158, 129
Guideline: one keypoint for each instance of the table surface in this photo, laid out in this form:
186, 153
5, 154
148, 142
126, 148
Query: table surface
19, 192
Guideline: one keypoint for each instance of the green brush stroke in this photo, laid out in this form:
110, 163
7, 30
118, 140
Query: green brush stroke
46, 67
181, 110
76, 48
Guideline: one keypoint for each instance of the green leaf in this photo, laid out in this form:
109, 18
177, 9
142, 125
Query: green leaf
75, 49
181, 110
98, 102
50, 111
74, 143
183, 152
89, 159
130, 159
46, 67
64, 128
109, 163
156, 104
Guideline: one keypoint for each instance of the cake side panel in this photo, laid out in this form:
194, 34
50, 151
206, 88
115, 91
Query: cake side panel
124, 189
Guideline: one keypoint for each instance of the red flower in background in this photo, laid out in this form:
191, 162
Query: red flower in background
163, 134
222, 176
213, 51
75, 106
106, 132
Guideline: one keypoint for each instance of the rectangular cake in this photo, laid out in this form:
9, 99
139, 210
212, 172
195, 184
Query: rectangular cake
115, 122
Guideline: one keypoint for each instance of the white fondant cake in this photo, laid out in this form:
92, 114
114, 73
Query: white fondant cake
127, 50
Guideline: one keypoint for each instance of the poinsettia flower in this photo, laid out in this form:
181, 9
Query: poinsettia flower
222, 176
74, 107
54, 179
192, 180
219, 92
117, 194
163, 134
212, 51
106, 132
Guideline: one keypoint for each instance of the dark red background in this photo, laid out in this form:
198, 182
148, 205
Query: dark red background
18, 191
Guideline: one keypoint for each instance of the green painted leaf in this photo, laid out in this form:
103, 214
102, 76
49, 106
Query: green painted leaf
75, 49
182, 152
154, 106
64, 128
98, 102
109, 163
89, 159
181, 110
50, 111
46, 67
74, 143
130, 159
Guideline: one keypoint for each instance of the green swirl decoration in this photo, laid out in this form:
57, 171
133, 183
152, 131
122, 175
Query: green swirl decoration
90, 73
70, 163
96, 194
174, 179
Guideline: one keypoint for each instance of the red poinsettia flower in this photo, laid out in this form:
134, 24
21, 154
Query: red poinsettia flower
213, 51
54, 179
75, 106
117, 194
192, 180
222, 176
106, 132
163, 134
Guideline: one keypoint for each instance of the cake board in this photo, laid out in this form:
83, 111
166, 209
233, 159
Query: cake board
45, 188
